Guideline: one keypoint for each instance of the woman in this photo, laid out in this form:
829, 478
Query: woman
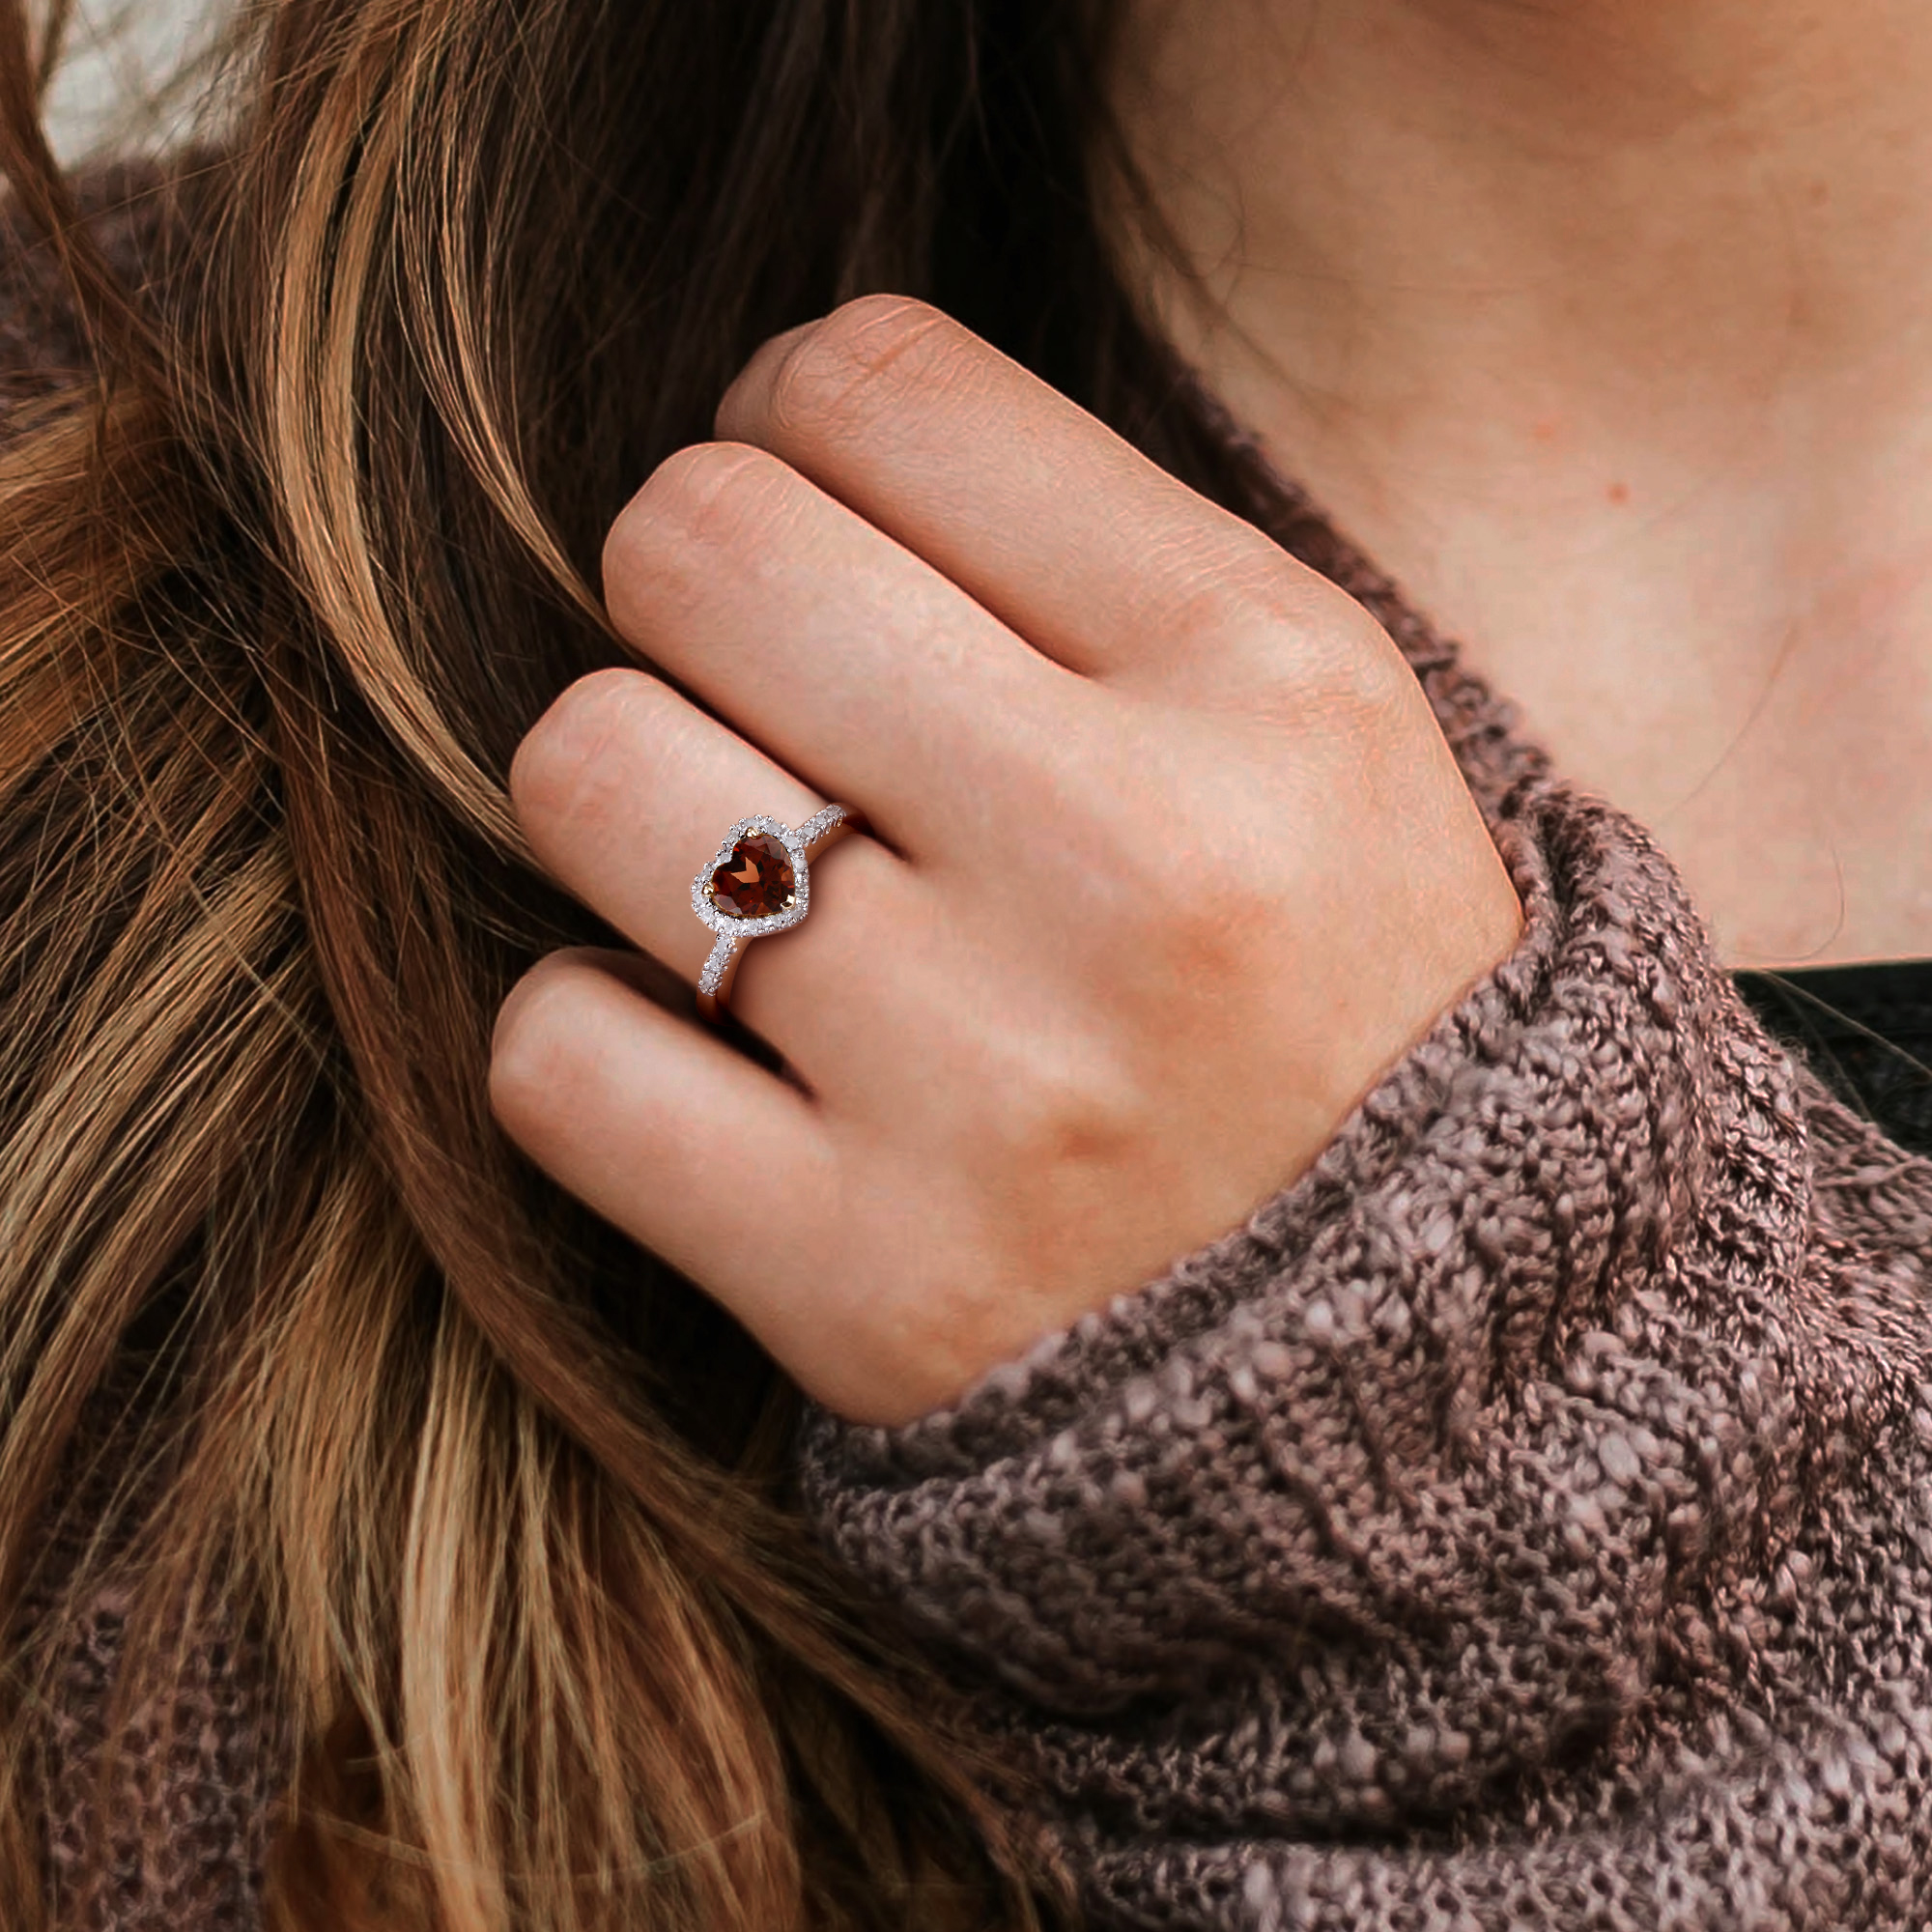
456, 501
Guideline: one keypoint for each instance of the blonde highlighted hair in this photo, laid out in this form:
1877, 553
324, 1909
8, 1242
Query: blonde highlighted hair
296, 543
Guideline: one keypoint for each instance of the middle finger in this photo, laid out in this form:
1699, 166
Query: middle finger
848, 658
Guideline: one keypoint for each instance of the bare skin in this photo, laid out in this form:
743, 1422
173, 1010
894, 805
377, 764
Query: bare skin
1169, 863
1606, 326
1604, 323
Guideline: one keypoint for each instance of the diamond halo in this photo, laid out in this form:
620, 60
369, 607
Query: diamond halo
730, 928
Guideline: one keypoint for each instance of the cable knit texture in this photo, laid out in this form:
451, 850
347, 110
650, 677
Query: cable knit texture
1520, 1523
179, 1842
1524, 1521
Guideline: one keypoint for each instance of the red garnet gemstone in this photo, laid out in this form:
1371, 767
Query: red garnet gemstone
756, 880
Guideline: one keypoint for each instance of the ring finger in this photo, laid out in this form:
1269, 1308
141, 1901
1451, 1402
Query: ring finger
623, 789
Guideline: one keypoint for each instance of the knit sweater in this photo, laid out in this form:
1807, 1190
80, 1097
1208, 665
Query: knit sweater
1526, 1520
1523, 1521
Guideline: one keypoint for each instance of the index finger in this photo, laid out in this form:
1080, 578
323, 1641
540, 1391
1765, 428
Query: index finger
1040, 512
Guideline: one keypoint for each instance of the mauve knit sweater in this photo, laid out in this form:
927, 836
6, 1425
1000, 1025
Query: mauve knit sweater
1524, 1521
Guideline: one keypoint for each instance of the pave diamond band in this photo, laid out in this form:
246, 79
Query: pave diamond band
757, 882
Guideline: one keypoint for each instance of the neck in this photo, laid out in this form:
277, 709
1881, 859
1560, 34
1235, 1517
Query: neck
1514, 203
1608, 306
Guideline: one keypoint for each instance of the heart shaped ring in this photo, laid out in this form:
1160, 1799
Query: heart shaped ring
758, 882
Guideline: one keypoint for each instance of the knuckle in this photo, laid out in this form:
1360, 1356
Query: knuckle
1219, 575
1315, 643
1215, 947
1258, 585
547, 767
1195, 898
1201, 932
1350, 655
533, 1043
1361, 696
873, 344
707, 487
707, 496
1070, 1109
555, 767
1263, 588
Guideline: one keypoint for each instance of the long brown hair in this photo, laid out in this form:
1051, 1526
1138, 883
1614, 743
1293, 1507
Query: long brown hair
296, 548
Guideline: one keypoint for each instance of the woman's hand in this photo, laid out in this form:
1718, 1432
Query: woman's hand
1168, 863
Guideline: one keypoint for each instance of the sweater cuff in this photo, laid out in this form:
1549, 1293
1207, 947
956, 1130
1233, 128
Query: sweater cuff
1435, 1395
